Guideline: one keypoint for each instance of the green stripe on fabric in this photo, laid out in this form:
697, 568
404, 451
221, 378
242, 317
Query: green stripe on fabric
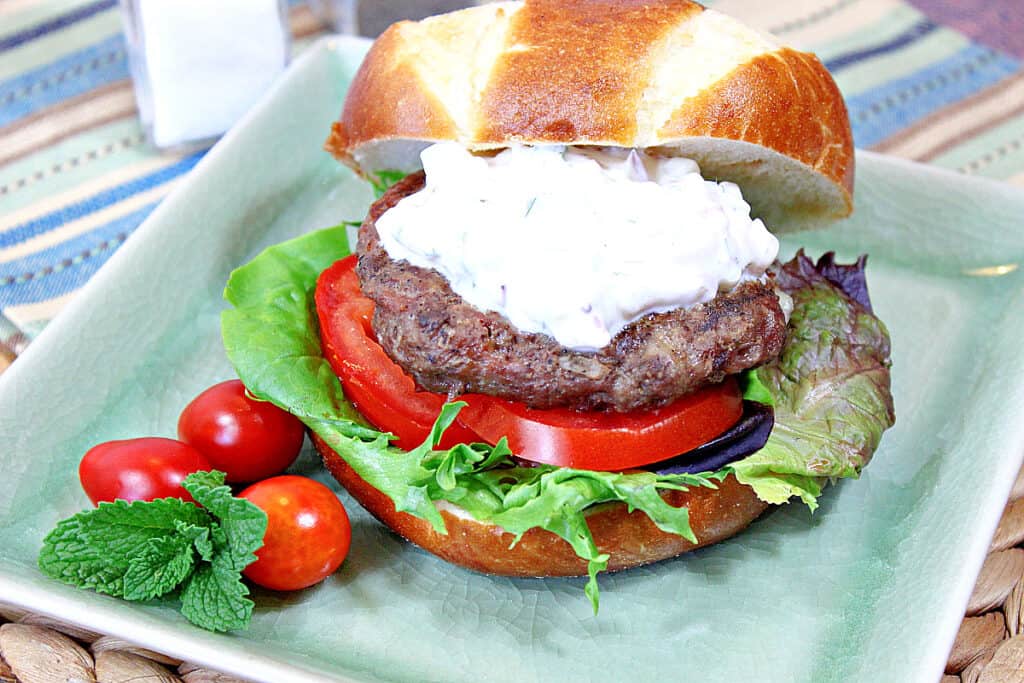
53, 46
901, 18
71, 163
939, 45
996, 153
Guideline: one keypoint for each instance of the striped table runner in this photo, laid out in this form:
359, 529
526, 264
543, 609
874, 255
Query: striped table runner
923, 80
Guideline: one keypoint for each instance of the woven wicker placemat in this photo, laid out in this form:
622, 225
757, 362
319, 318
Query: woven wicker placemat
989, 647
38, 649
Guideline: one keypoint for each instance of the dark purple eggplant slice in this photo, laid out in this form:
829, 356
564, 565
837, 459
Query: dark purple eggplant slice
747, 436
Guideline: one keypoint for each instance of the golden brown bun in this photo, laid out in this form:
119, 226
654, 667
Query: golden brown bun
631, 538
663, 74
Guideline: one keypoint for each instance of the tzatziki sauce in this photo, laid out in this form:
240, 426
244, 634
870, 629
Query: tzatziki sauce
576, 242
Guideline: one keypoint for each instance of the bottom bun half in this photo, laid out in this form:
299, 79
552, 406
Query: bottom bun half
630, 538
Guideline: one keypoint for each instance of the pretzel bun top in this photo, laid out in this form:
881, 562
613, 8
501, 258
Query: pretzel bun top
666, 75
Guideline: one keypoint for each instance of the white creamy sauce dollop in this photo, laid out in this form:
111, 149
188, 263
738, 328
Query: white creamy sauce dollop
576, 243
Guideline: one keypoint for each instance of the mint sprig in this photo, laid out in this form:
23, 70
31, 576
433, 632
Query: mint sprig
144, 550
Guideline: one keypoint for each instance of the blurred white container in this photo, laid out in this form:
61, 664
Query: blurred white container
198, 65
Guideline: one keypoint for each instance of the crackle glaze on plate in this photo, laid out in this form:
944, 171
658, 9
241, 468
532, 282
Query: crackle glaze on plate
869, 588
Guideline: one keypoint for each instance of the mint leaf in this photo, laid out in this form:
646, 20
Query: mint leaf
215, 598
158, 567
200, 538
94, 548
243, 523
143, 550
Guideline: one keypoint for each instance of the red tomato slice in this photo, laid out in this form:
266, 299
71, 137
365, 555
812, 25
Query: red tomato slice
606, 441
376, 385
388, 398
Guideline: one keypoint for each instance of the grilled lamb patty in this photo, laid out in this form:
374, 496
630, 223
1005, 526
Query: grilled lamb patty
451, 347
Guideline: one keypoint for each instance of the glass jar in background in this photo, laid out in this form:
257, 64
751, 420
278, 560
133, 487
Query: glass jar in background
198, 65
371, 17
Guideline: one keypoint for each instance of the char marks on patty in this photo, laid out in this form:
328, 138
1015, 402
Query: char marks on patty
451, 347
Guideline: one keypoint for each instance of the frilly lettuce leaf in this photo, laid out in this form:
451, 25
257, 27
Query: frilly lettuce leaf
830, 385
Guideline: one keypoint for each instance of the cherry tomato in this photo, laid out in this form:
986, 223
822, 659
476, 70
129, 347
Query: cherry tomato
388, 398
246, 439
308, 533
139, 469
606, 441
375, 384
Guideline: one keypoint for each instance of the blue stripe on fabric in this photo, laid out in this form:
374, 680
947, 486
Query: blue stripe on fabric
55, 219
67, 266
37, 261
55, 24
908, 37
77, 73
882, 111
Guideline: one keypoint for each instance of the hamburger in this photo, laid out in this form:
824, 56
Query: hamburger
565, 341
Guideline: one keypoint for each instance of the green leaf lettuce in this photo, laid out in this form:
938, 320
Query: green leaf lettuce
830, 388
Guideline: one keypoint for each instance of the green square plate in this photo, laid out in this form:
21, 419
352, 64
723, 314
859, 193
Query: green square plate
869, 588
